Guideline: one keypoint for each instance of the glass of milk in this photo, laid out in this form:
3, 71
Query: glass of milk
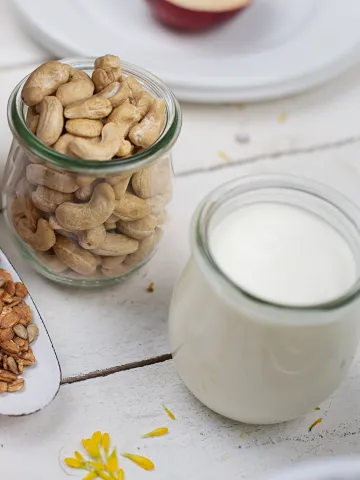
264, 320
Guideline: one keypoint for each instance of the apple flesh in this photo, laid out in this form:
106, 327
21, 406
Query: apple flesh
195, 15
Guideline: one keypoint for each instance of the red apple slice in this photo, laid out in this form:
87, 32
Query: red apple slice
195, 14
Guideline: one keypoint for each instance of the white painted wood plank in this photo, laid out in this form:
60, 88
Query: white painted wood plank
93, 330
17, 47
322, 116
200, 445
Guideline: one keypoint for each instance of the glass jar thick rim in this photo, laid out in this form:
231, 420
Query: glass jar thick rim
219, 280
166, 141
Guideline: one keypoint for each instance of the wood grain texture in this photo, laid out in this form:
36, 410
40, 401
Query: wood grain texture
200, 445
106, 328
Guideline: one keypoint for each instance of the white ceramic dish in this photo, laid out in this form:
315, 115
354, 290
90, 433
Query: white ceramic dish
42, 381
272, 49
341, 468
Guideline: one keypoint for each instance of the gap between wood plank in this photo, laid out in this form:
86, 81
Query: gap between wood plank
269, 156
120, 368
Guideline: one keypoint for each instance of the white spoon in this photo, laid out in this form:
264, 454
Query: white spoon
42, 381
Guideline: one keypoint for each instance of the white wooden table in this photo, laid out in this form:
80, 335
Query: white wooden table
112, 344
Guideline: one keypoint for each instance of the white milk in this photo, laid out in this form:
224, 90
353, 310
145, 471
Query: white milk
256, 362
283, 254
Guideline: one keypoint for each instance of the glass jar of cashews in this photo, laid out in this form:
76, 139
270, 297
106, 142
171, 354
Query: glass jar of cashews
89, 174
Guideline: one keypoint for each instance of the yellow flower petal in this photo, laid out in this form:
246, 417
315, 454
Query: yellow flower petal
112, 463
97, 437
78, 456
121, 474
169, 412
104, 476
73, 462
91, 447
159, 432
142, 462
105, 441
97, 465
90, 476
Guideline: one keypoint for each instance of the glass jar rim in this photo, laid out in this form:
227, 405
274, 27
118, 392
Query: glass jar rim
165, 142
230, 190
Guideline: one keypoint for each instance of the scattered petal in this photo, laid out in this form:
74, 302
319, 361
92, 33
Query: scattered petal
142, 462
78, 456
169, 412
319, 420
104, 476
105, 442
282, 118
90, 476
91, 447
150, 288
112, 463
73, 462
317, 408
121, 474
159, 432
97, 437
224, 156
242, 436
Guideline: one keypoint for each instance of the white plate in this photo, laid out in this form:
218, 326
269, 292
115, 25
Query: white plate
274, 48
42, 381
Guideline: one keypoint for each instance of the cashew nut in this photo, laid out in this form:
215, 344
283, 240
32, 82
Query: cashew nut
42, 239
146, 246
84, 180
93, 238
124, 116
79, 87
114, 266
92, 108
158, 203
84, 193
120, 187
48, 200
116, 92
83, 127
152, 181
104, 150
51, 262
116, 244
32, 214
131, 208
51, 120
140, 97
107, 70
79, 260
110, 225
84, 216
41, 175
44, 81
140, 229
151, 126
32, 119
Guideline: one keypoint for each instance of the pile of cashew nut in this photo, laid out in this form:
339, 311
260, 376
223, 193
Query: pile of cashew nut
83, 225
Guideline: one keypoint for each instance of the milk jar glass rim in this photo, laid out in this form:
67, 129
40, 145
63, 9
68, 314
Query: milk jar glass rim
17, 123
330, 204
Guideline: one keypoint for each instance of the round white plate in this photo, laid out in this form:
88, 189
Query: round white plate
273, 48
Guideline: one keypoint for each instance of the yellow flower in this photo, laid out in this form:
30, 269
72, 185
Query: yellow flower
159, 432
121, 474
142, 462
73, 462
104, 475
97, 437
78, 456
97, 465
91, 447
169, 412
105, 441
90, 476
112, 463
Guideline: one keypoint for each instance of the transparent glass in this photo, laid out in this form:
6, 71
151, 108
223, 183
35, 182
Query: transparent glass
38, 180
249, 359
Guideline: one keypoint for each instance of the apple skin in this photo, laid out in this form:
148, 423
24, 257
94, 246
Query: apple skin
185, 19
